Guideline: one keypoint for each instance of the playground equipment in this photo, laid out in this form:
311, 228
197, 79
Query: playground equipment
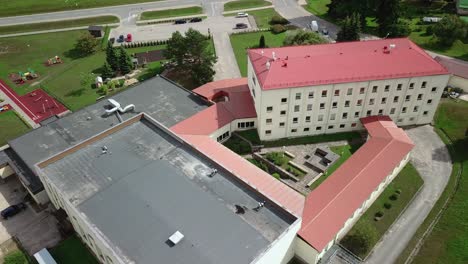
25, 76
54, 60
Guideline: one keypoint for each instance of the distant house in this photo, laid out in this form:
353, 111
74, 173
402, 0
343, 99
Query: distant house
458, 70
149, 56
462, 7
96, 31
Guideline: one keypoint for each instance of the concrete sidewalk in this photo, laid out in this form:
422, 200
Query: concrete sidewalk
226, 67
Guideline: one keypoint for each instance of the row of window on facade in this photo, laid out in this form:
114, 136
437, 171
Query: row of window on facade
243, 125
297, 108
362, 90
319, 128
223, 136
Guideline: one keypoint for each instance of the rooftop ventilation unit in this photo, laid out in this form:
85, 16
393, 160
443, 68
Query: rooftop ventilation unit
273, 54
267, 64
117, 107
176, 237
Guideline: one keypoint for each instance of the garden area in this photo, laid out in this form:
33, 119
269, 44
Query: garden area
279, 161
245, 4
168, 13
72, 251
447, 241
373, 224
11, 126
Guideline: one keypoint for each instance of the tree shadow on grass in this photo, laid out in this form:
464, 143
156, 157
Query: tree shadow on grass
73, 54
76, 93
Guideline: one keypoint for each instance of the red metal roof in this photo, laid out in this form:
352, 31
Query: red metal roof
454, 66
196, 130
239, 105
333, 202
342, 62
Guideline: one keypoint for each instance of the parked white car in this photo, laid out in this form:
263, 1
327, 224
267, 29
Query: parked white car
241, 14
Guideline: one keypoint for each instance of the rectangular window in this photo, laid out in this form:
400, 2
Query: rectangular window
387, 88
311, 94
384, 100
269, 121
411, 85
320, 118
241, 125
407, 98
332, 116
322, 105
269, 109
345, 115
307, 119
293, 130
281, 124
284, 100
283, 112
423, 85
319, 128
411, 119
342, 126
429, 101
425, 113
399, 86
298, 96
374, 89
254, 80
253, 93
324, 93
362, 90
416, 108
337, 92
295, 120
296, 108
392, 111
330, 127
395, 99
334, 104
306, 129
309, 107
371, 101
356, 114
434, 89
400, 120
420, 97
369, 113
350, 91
403, 110
267, 132
353, 125
380, 111
346, 104
359, 102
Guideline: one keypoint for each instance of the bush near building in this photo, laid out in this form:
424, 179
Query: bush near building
16, 257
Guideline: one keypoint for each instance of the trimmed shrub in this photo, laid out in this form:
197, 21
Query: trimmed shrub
276, 175
277, 158
278, 28
393, 197
387, 205
276, 19
15, 257
398, 191
379, 214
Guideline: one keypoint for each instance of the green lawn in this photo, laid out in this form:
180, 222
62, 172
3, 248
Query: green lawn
58, 24
245, 4
449, 239
72, 251
178, 12
26, 7
262, 17
345, 152
241, 42
408, 183
16, 257
317, 7
11, 126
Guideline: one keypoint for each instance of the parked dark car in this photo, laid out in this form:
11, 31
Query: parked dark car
121, 38
195, 19
12, 210
241, 25
180, 21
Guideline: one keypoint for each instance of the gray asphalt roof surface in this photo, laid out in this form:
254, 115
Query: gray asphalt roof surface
158, 97
149, 185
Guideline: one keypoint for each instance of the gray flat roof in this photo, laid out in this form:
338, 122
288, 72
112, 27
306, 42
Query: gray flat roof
151, 184
158, 97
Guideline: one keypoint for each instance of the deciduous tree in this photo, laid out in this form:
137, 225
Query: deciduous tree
86, 44
301, 37
449, 29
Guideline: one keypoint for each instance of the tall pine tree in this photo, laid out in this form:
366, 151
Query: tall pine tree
111, 57
350, 28
125, 61
387, 15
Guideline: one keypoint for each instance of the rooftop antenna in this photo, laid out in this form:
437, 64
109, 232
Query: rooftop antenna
268, 64
273, 54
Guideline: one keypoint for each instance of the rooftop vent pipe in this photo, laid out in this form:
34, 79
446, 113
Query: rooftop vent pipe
268, 64
117, 107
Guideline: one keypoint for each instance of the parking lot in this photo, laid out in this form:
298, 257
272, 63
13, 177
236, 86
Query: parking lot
35, 230
164, 31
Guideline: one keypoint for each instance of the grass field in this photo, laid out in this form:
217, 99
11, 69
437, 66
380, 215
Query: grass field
245, 4
408, 182
26, 7
345, 152
449, 239
186, 11
102, 20
317, 7
241, 42
262, 17
11, 126
72, 251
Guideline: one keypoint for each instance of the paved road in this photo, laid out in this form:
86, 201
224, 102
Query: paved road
432, 160
226, 67
127, 13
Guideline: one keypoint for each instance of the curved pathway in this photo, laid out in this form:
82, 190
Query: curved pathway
432, 160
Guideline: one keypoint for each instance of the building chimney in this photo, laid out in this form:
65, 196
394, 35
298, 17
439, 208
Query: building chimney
273, 54
267, 64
